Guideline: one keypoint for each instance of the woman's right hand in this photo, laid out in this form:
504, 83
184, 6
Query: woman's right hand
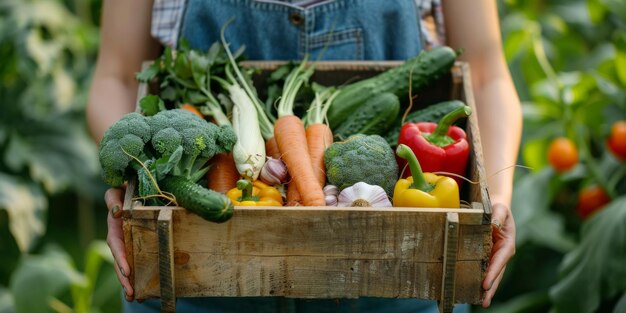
114, 198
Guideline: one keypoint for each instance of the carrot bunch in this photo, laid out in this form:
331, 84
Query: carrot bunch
301, 149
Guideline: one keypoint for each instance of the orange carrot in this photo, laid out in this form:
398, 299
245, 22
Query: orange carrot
318, 138
192, 109
291, 139
293, 196
271, 148
223, 174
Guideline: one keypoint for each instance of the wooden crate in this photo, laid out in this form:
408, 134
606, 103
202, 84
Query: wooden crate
321, 252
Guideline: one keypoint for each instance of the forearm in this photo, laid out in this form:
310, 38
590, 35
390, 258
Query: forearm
110, 98
498, 106
500, 123
125, 43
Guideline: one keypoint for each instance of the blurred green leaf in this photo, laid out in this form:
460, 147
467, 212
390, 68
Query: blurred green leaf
621, 305
597, 10
57, 152
51, 272
97, 253
579, 86
534, 153
546, 96
527, 201
595, 269
182, 67
196, 97
516, 43
620, 66
532, 196
6, 301
25, 203
151, 105
200, 67
617, 7
148, 73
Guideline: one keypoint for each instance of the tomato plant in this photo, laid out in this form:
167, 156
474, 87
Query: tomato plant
617, 140
562, 154
591, 199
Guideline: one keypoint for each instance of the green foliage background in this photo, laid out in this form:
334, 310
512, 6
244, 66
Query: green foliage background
568, 59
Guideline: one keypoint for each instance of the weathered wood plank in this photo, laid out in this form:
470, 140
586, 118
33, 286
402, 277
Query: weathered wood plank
310, 277
253, 254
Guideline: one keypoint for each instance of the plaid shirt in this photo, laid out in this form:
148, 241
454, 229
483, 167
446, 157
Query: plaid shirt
168, 14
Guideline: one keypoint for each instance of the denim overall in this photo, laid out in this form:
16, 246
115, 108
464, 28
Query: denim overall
289, 30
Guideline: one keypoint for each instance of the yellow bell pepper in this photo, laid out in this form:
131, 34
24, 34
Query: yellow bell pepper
424, 190
254, 194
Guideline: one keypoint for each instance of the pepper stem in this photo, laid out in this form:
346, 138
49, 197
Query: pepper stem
246, 190
439, 136
419, 181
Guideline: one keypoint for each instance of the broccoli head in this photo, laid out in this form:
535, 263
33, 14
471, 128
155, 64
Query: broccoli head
153, 141
361, 158
131, 123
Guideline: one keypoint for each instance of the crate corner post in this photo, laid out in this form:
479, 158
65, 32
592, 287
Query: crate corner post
166, 261
450, 251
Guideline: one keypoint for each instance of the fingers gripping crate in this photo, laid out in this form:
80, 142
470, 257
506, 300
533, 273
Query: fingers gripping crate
321, 252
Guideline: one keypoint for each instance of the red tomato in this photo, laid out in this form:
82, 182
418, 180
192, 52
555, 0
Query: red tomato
590, 200
562, 154
617, 140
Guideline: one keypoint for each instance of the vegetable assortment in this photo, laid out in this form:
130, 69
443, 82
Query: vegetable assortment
207, 125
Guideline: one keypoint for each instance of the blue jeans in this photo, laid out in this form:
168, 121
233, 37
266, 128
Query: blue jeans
284, 305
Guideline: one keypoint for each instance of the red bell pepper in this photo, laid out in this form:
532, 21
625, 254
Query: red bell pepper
439, 147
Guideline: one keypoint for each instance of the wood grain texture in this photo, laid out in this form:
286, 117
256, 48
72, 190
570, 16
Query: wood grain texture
309, 253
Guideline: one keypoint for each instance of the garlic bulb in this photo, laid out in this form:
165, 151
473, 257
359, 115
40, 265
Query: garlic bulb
330, 195
363, 195
274, 172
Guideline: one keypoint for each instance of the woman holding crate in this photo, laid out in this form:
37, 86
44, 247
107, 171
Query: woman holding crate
134, 31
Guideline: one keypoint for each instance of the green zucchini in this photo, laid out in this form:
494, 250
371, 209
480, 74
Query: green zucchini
431, 113
209, 204
373, 117
424, 69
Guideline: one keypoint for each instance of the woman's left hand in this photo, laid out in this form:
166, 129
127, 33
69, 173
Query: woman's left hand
503, 249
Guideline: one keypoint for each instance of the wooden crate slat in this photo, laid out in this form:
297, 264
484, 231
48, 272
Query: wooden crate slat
239, 266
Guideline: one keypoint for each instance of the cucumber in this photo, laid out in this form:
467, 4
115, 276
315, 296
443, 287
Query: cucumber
373, 117
431, 113
210, 205
425, 68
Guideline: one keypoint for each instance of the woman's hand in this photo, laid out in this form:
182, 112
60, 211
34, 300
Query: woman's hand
503, 249
114, 198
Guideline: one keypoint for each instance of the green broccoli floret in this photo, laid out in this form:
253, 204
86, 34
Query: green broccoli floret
226, 139
166, 141
361, 158
117, 155
167, 132
131, 123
